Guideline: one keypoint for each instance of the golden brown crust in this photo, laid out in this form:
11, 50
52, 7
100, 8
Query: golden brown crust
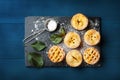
91, 55
72, 40
56, 54
92, 37
74, 58
79, 21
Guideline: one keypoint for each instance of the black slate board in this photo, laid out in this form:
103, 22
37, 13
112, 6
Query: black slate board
44, 37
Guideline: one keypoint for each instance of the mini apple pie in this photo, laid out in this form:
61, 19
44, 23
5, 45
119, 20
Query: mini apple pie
91, 55
56, 54
72, 40
92, 37
79, 21
74, 58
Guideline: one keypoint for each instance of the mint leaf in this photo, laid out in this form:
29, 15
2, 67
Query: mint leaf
35, 59
38, 45
55, 38
62, 31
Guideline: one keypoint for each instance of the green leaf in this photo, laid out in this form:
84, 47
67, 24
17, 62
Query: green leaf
38, 45
62, 31
55, 38
35, 59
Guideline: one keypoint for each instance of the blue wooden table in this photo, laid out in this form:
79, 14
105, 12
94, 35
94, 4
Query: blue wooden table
12, 14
